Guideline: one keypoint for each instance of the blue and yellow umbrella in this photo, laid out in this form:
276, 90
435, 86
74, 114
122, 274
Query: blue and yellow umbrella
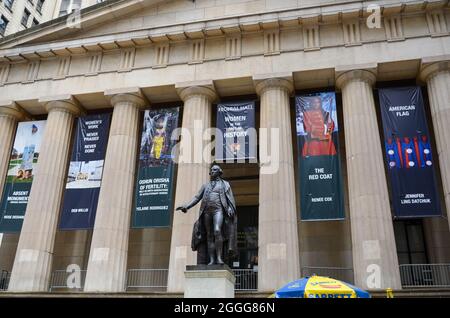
320, 287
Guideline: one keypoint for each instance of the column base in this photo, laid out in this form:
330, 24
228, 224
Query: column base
215, 281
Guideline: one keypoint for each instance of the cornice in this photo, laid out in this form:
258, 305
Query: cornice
288, 18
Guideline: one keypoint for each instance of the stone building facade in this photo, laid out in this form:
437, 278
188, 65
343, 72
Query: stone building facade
18, 15
131, 55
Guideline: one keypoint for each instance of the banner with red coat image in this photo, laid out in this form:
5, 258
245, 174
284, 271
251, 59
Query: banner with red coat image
318, 161
408, 152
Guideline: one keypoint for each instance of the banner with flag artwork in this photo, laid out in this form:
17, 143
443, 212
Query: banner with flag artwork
318, 161
409, 159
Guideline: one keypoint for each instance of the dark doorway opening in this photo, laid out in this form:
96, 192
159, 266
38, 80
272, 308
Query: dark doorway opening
245, 263
410, 241
247, 238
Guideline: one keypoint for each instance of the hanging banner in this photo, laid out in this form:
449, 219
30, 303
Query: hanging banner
85, 172
153, 194
319, 164
23, 160
236, 121
408, 153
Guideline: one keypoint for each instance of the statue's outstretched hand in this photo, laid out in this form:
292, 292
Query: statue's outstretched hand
182, 208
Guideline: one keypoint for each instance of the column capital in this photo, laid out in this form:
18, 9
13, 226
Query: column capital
187, 90
434, 65
366, 73
66, 103
12, 109
282, 81
129, 94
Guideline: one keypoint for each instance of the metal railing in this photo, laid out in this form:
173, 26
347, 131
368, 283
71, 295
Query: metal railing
60, 278
425, 275
4, 280
149, 280
340, 273
246, 279
152, 279
412, 276
156, 279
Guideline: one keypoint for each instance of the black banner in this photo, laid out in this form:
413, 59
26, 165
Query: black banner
236, 121
319, 163
85, 172
408, 153
153, 196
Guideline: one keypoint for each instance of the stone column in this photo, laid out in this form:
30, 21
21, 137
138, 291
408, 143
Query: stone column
107, 266
278, 254
437, 77
10, 113
33, 263
375, 261
193, 172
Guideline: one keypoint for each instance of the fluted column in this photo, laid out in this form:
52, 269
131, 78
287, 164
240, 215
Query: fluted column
278, 255
193, 172
375, 260
107, 266
33, 262
10, 113
437, 77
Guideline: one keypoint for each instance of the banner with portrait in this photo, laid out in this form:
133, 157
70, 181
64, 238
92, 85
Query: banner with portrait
409, 159
236, 122
153, 200
318, 161
23, 161
84, 177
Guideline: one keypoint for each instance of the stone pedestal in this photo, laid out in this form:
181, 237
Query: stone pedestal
202, 281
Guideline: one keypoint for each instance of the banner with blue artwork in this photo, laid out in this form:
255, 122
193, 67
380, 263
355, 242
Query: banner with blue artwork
408, 152
153, 200
22, 162
318, 161
85, 172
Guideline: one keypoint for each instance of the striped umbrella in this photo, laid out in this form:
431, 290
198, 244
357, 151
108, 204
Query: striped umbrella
320, 287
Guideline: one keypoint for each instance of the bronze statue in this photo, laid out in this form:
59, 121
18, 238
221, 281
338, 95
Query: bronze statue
215, 232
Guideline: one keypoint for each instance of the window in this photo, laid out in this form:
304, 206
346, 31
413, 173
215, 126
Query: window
67, 6
35, 22
9, 4
25, 17
3, 25
39, 5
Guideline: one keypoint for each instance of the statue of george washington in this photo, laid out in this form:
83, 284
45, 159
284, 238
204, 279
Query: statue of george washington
215, 232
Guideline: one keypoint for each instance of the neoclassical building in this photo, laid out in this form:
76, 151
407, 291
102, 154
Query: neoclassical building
127, 56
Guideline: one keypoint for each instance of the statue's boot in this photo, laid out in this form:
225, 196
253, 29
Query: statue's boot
211, 251
219, 250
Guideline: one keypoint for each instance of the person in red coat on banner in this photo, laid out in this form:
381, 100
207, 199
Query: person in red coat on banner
319, 127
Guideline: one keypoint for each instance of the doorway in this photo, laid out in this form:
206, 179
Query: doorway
410, 241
